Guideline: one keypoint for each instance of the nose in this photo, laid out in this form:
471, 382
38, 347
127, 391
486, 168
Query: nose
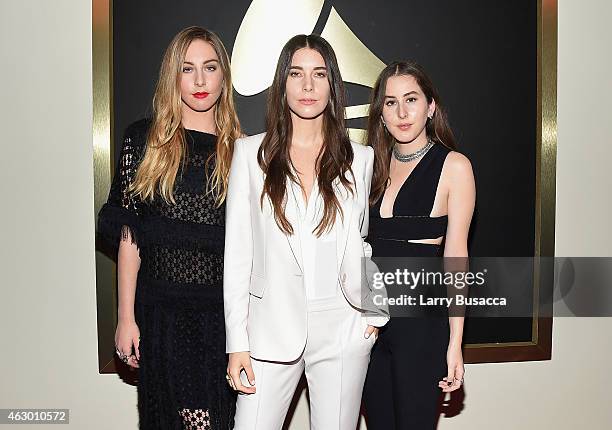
401, 110
307, 85
199, 78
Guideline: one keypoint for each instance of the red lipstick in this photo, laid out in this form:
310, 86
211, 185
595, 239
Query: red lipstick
200, 95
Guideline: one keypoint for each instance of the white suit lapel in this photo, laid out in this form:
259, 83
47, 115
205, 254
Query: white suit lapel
291, 212
342, 223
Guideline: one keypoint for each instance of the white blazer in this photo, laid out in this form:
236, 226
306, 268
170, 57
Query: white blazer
263, 288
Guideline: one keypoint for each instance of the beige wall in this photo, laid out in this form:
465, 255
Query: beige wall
48, 309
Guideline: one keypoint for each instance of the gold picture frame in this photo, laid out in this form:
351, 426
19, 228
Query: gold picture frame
539, 348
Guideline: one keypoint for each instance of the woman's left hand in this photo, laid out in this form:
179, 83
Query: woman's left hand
371, 330
455, 372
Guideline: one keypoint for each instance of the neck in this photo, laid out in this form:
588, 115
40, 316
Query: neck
414, 145
199, 121
306, 132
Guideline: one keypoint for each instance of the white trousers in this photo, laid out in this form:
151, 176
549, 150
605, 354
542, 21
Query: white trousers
335, 360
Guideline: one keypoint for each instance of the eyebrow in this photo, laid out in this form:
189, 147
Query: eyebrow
212, 60
407, 94
301, 68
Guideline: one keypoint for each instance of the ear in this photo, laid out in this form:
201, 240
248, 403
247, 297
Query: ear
431, 109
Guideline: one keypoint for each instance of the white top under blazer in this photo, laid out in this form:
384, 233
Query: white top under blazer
264, 292
318, 253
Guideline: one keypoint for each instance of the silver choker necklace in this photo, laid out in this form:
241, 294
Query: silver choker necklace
405, 158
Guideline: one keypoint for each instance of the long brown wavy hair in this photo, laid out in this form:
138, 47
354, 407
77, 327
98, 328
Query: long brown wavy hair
166, 148
336, 156
437, 128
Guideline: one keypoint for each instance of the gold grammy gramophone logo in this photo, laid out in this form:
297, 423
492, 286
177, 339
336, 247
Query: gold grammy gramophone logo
268, 24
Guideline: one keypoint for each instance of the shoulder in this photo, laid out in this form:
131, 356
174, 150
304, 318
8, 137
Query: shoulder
458, 167
457, 161
136, 132
138, 127
363, 152
249, 145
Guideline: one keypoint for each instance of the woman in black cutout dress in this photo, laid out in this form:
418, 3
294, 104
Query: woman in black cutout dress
171, 321
415, 359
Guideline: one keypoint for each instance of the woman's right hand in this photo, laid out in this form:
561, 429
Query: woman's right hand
237, 362
127, 336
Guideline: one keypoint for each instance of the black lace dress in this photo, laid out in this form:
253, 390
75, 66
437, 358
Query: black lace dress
179, 299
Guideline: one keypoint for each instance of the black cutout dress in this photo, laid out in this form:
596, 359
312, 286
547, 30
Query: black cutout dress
409, 357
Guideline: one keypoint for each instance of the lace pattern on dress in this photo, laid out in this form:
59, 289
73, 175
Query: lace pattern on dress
195, 419
184, 266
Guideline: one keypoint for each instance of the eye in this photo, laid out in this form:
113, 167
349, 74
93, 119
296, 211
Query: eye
211, 68
411, 99
294, 74
321, 75
389, 102
187, 69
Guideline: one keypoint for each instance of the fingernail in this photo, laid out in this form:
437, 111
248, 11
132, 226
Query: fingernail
252, 382
367, 335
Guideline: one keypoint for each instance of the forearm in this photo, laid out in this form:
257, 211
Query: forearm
128, 264
456, 331
456, 262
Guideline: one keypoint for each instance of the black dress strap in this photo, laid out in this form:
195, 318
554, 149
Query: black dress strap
417, 195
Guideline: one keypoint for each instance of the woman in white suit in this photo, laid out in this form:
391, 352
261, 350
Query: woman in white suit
296, 295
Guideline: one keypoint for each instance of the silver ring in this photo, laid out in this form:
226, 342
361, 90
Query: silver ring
123, 357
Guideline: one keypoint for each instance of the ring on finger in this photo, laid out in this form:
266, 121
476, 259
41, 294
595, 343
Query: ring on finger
123, 357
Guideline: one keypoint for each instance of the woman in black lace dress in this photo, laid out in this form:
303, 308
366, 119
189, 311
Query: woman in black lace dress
166, 212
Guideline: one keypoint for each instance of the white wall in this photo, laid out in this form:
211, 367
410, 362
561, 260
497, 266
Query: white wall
48, 309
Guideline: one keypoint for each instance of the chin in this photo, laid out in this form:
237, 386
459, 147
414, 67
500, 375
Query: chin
197, 107
404, 137
307, 113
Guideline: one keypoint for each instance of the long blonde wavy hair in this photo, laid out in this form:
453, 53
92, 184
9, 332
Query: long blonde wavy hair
165, 148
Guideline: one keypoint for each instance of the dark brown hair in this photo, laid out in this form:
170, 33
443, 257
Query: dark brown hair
336, 155
382, 141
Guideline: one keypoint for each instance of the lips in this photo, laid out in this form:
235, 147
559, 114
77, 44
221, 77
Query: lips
200, 95
307, 102
404, 127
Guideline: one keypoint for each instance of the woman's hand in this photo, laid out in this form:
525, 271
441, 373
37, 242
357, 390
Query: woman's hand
455, 372
127, 336
237, 362
371, 330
